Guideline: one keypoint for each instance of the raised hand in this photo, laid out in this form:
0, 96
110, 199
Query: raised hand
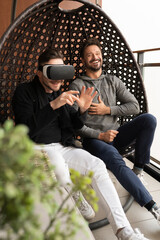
66, 97
99, 108
86, 97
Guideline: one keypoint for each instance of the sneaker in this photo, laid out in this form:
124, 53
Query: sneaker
135, 235
141, 177
83, 206
156, 213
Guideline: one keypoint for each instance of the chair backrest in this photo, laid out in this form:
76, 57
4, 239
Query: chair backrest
44, 25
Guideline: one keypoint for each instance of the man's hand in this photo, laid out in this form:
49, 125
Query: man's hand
85, 99
66, 97
99, 108
108, 136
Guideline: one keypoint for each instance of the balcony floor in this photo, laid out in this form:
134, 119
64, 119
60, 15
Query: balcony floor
139, 217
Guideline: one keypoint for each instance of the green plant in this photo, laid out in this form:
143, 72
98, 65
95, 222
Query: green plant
26, 179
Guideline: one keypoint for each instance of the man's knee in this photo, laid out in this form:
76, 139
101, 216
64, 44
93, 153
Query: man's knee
149, 120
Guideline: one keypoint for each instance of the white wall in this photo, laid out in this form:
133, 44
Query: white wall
139, 22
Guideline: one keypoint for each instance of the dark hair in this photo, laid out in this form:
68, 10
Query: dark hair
49, 54
89, 42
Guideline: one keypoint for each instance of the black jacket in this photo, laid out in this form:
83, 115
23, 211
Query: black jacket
31, 107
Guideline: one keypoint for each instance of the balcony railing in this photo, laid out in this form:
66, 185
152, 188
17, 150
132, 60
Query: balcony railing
149, 63
140, 59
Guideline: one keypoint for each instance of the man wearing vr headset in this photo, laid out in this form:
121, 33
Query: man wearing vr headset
52, 122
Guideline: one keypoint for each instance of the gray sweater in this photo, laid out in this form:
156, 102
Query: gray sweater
111, 89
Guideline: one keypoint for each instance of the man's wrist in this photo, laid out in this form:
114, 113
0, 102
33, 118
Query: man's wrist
52, 104
108, 110
82, 110
101, 136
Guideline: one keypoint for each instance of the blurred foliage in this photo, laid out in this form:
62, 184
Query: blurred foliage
26, 180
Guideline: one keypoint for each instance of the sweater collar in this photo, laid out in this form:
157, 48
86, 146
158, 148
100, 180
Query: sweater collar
86, 78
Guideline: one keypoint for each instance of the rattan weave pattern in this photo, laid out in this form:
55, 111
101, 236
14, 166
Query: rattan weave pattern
45, 24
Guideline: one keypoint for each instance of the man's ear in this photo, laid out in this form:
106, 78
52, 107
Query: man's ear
39, 74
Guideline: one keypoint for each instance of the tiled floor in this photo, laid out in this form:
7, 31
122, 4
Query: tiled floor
139, 217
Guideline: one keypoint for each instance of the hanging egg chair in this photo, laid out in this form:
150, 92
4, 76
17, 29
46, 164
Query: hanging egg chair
46, 24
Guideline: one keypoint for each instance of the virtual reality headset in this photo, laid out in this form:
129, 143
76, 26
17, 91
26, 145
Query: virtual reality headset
58, 71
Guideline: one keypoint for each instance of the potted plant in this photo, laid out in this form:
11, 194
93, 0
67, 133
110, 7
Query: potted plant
26, 180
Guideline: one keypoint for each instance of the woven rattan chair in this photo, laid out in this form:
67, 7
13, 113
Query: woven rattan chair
44, 25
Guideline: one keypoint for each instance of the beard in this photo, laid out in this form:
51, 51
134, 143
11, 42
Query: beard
92, 68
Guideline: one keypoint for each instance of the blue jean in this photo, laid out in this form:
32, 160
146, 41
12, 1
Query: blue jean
141, 129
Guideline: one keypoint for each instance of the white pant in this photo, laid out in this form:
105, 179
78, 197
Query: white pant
82, 161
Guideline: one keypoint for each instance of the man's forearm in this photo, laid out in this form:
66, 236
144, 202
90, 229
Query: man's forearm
88, 132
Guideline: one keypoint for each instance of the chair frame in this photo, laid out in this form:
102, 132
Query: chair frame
45, 24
